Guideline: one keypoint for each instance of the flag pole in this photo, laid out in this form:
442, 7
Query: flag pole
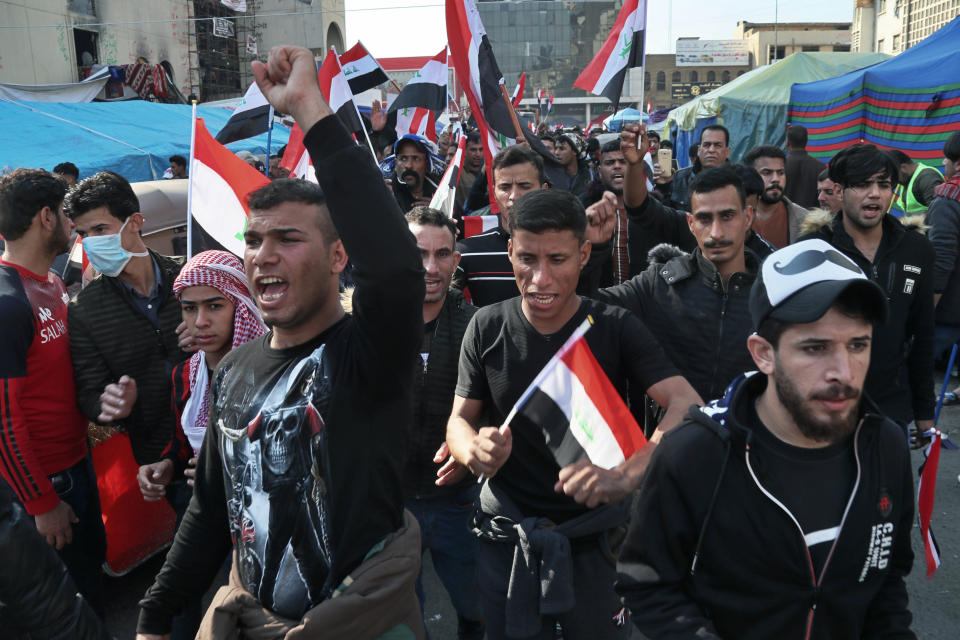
513, 114
356, 109
193, 142
266, 170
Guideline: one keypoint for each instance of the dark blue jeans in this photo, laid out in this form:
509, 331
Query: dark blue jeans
445, 529
84, 556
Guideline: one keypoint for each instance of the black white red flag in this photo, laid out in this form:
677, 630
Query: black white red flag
518, 90
446, 194
296, 159
361, 69
418, 121
249, 119
544, 103
622, 50
336, 91
427, 88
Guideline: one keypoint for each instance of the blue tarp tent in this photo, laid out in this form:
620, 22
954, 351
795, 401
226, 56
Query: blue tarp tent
133, 138
910, 102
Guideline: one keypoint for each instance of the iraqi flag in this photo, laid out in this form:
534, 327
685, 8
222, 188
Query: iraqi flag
361, 69
446, 193
578, 409
475, 225
418, 121
336, 91
518, 90
249, 119
544, 103
622, 50
219, 185
427, 88
296, 159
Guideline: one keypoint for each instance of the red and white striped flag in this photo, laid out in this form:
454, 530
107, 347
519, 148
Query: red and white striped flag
336, 91
418, 121
518, 90
296, 159
475, 225
544, 103
579, 410
925, 495
446, 194
219, 185
361, 69
622, 50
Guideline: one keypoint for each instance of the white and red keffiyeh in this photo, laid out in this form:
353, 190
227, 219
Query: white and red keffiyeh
224, 272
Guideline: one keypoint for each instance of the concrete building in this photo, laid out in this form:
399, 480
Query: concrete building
769, 42
670, 85
892, 26
205, 46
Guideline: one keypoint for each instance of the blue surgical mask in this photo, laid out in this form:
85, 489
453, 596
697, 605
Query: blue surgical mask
106, 253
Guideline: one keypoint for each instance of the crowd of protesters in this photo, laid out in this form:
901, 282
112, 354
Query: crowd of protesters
771, 326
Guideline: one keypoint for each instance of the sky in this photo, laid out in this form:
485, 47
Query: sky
390, 28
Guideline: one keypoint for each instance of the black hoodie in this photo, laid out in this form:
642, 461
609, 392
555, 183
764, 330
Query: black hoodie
710, 554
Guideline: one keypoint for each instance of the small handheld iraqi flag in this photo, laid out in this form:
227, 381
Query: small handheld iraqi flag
446, 194
579, 410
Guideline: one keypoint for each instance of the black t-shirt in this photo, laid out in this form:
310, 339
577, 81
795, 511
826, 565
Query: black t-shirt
501, 355
814, 484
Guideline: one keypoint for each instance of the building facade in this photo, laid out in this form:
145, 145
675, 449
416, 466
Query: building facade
204, 45
670, 85
892, 26
769, 42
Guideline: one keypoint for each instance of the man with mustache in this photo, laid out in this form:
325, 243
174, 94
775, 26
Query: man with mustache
901, 261
828, 193
696, 304
778, 219
713, 150
413, 171
611, 171
785, 508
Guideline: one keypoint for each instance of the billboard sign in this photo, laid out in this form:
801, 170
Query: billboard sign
713, 53
680, 92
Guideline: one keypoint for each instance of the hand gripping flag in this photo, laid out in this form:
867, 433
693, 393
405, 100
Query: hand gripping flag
427, 88
446, 194
361, 69
622, 50
219, 185
336, 91
518, 91
579, 410
250, 118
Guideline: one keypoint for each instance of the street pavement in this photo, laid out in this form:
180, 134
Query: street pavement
935, 603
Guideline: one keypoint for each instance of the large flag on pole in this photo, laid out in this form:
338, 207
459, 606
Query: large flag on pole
219, 185
622, 50
419, 121
361, 69
446, 193
336, 91
428, 88
250, 118
518, 90
579, 410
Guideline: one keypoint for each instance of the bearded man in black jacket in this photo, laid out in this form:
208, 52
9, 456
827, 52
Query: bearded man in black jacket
785, 508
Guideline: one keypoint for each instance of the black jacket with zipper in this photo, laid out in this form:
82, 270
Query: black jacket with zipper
900, 377
701, 325
110, 338
433, 399
710, 554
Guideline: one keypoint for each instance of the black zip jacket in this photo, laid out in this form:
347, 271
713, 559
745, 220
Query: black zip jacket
710, 554
702, 326
110, 338
900, 377
433, 400
943, 216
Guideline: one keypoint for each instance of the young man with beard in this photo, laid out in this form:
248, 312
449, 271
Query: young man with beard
570, 150
712, 151
778, 220
785, 508
471, 167
301, 464
413, 171
43, 435
549, 534
611, 170
901, 261
437, 491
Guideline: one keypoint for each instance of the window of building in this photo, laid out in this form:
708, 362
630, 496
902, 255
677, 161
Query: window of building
776, 53
646, 81
841, 47
676, 77
711, 76
725, 76
87, 51
896, 43
661, 81
693, 76
810, 48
